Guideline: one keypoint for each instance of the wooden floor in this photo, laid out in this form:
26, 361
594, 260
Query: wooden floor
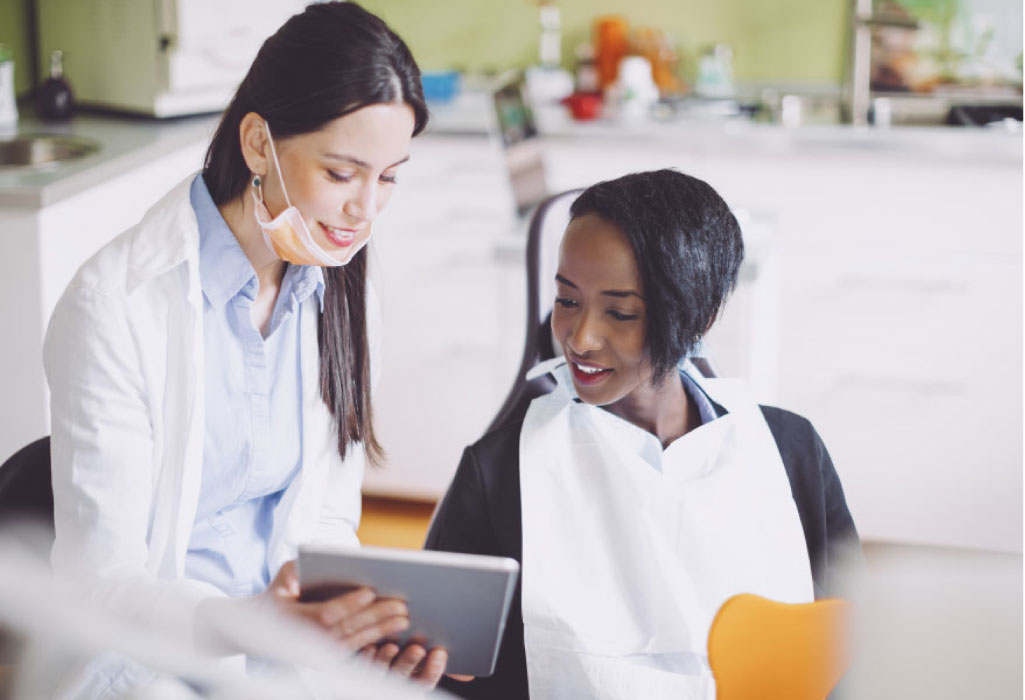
390, 522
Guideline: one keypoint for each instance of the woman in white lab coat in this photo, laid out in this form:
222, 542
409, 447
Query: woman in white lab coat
211, 368
639, 495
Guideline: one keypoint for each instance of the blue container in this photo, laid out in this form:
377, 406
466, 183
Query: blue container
440, 85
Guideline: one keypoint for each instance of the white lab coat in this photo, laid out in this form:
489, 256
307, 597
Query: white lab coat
124, 360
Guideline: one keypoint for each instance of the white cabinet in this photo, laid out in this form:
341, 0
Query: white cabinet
902, 337
45, 248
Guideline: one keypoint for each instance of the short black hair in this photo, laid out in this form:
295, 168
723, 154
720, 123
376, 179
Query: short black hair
688, 247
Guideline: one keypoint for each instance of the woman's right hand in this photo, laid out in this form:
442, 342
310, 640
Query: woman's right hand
356, 619
414, 662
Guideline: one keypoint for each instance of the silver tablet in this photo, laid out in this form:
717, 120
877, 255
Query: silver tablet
456, 601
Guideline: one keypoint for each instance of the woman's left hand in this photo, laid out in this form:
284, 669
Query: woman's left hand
413, 662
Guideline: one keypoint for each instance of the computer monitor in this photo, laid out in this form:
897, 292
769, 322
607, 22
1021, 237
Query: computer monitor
520, 144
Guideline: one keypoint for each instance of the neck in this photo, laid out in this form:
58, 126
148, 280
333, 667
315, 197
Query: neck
664, 410
238, 214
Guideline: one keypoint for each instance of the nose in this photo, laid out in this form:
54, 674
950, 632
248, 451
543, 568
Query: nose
584, 335
363, 204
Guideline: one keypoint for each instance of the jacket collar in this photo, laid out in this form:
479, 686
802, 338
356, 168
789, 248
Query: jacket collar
167, 236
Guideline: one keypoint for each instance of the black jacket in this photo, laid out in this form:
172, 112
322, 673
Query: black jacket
480, 514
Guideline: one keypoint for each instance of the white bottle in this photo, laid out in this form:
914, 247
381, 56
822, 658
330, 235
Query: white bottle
8, 106
634, 93
715, 72
550, 44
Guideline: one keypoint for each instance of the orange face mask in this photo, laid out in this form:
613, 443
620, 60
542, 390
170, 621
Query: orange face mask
287, 234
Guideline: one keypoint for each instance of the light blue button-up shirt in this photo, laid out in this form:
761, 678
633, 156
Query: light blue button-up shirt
252, 448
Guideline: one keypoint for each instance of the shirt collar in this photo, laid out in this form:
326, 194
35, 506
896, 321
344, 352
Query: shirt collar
224, 269
707, 409
303, 280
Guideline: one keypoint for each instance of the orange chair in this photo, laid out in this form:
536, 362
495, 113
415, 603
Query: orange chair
763, 650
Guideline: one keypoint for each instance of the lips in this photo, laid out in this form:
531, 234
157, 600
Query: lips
341, 237
589, 374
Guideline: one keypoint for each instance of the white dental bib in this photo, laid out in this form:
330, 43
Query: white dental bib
629, 550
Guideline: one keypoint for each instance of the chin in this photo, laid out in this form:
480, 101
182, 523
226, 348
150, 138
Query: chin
597, 397
338, 253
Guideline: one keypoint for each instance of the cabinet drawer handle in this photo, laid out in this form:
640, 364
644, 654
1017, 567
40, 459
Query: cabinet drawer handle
899, 385
892, 284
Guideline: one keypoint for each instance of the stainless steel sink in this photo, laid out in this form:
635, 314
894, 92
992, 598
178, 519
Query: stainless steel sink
41, 149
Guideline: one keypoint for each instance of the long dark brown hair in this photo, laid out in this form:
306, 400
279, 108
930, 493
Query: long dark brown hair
328, 61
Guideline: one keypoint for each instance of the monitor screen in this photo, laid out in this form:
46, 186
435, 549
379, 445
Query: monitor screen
515, 119
522, 152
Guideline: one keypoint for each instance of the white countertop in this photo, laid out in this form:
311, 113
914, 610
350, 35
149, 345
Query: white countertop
470, 114
125, 143
988, 143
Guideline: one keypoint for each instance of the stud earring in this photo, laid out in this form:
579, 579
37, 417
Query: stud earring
258, 187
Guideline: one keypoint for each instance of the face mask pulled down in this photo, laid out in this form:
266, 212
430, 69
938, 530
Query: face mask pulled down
287, 234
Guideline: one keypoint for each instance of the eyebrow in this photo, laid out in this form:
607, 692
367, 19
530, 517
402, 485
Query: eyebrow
360, 163
620, 293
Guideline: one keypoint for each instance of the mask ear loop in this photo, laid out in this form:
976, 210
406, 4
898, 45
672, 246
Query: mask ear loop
277, 166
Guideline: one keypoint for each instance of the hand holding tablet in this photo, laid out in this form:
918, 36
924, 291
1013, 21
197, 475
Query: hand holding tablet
455, 601
359, 619
355, 619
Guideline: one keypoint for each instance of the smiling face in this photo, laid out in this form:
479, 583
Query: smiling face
600, 315
339, 177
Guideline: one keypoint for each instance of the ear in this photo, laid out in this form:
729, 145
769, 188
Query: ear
252, 133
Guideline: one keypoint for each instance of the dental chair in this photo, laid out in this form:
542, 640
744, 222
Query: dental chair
25, 488
761, 649
26, 498
544, 235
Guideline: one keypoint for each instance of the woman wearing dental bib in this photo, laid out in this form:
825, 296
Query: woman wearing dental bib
638, 495
211, 368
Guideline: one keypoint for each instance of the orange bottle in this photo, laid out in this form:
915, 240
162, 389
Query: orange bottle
611, 43
656, 46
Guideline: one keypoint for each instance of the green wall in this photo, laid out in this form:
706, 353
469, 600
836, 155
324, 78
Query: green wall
773, 40
15, 33
777, 40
